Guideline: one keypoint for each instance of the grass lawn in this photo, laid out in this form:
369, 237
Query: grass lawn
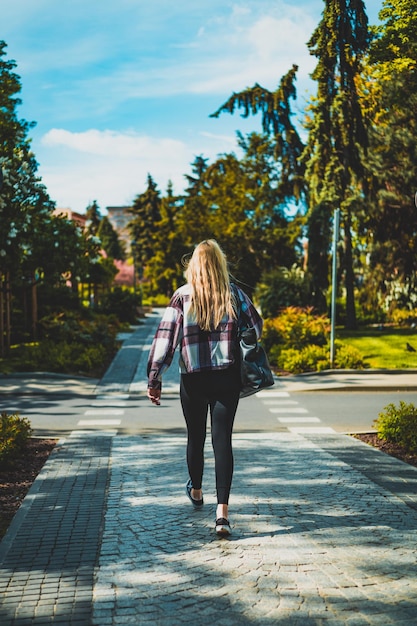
383, 348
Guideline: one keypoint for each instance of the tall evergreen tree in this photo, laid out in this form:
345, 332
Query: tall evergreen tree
146, 211
337, 133
25, 207
110, 240
165, 272
390, 94
193, 219
93, 216
276, 112
243, 210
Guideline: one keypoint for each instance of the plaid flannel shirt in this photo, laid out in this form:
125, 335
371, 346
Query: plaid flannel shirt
199, 350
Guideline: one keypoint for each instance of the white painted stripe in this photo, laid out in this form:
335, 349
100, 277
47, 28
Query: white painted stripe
93, 433
279, 402
113, 396
99, 422
272, 394
288, 410
104, 412
294, 420
311, 430
109, 403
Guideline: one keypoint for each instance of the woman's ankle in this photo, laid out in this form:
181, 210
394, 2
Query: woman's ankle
222, 511
196, 494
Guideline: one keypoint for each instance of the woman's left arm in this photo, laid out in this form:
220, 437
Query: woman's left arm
250, 314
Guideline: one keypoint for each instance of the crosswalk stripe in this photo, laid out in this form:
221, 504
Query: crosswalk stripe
313, 430
272, 394
285, 409
104, 412
293, 420
99, 422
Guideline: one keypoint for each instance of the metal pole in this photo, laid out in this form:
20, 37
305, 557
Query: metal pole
336, 221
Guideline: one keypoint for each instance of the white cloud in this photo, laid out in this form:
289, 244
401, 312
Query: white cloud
112, 167
113, 144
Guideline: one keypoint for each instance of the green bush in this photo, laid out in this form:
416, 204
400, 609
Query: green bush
282, 287
403, 317
62, 357
312, 358
14, 434
296, 328
347, 357
122, 303
399, 425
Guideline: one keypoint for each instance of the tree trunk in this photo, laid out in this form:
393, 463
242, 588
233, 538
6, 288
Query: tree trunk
34, 311
8, 312
2, 350
351, 323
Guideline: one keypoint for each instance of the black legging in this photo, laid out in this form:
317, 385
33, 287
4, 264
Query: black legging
218, 390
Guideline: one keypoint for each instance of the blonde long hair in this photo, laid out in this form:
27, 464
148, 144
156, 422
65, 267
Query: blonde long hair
207, 274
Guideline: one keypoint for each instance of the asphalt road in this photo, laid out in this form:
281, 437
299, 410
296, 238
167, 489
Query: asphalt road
272, 410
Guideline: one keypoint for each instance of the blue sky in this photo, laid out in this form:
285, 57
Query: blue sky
122, 88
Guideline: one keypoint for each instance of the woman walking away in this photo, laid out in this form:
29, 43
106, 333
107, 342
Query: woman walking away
202, 319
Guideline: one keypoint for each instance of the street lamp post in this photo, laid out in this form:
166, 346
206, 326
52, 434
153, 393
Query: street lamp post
336, 221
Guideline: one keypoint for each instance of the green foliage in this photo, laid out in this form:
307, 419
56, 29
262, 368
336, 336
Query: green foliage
109, 240
158, 301
146, 213
314, 358
122, 303
390, 99
296, 327
14, 434
276, 121
337, 137
403, 317
398, 424
238, 202
62, 357
311, 358
347, 357
281, 288
297, 341
72, 343
84, 326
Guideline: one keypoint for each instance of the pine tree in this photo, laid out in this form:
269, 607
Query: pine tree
390, 94
146, 211
93, 216
25, 207
276, 112
110, 241
337, 133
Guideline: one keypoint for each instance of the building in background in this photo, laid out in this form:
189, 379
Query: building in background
69, 214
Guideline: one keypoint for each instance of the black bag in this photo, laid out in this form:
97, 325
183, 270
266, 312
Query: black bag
255, 372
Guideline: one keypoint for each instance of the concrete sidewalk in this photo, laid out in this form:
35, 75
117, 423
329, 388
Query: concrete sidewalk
324, 526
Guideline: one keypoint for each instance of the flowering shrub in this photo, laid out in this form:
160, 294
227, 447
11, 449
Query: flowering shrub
14, 434
298, 341
296, 327
399, 425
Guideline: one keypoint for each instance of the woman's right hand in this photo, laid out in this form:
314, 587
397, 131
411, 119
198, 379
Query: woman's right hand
154, 396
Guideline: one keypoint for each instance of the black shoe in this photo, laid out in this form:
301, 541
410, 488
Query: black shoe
223, 527
197, 504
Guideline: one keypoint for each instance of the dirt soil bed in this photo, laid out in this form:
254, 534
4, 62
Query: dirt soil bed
389, 448
16, 481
